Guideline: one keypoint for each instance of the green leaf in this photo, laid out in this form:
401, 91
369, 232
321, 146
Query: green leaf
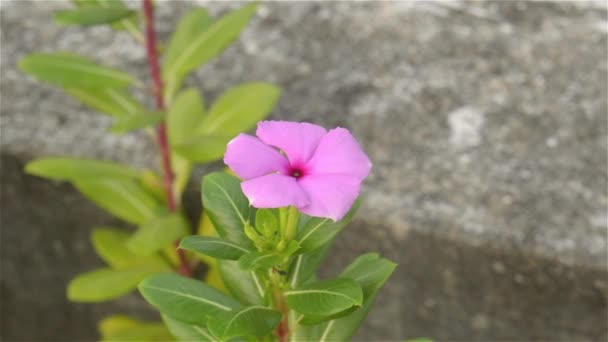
129, 24
189, 28
344, 328
73, 169
267, 222
318, 231
113, 102
257, 260
226, 206
136, 121
182, 168
212, 246
246, 286
115, 323
157, 233
89, 15
110, 245
125, 199
106, 283
210, 42
203, 148
187, 332
304, 266
240, 108
72, 71
185, 115
325, 298
124, 328
370, 272
249, 321
185, 299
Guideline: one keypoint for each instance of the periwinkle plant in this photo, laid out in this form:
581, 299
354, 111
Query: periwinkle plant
267, 224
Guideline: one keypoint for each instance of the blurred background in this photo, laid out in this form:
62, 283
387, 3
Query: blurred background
486, 123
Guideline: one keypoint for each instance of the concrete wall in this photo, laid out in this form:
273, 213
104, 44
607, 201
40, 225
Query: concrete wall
486, 123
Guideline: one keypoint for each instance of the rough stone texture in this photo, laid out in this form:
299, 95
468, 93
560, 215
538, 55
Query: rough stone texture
486, 123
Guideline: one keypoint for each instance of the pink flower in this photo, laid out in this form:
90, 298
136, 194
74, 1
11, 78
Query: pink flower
317, 171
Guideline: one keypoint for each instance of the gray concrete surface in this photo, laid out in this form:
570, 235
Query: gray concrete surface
486, 123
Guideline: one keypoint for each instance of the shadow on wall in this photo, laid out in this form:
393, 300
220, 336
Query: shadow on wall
442, 289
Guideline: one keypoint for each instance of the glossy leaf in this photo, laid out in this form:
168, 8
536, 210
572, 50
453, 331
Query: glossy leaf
157, 233
203, 148
110, 245
325, 298
366, 266
72, 71
188, 29
210, 42
187, 332
89, 15
110, 101
304, 266
185, 115
106, 283
137, 121
246, 286
212, 246
318, 231
240, 108
249, 321
73, 169
257, 260
226, 206
185, 299
125, 199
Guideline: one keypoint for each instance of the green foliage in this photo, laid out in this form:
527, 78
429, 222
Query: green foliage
125, 199
157, 233
203, 43
246, 286
70, 70
325, 298
368, 265
124, 328
257, 260
187, 113
249, 321
317, 231
107, 283
187, 332
240, 108
110, 101
137, 121
185, 299
89, 15
111, 245
72, 169
212, 246
227, 207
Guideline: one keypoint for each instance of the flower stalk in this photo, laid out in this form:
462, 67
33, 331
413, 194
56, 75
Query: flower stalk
162, 139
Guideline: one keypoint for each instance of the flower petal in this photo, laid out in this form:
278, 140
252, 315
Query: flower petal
249, 157
339, 153
330, 196
298, 140
274, 191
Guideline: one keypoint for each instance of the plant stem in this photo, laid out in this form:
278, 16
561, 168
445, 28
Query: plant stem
280, 304
292, 223
161, 130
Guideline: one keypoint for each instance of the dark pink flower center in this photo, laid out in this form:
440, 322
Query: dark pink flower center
296, 171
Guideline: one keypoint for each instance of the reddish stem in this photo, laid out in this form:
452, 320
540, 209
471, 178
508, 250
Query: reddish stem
161, 130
